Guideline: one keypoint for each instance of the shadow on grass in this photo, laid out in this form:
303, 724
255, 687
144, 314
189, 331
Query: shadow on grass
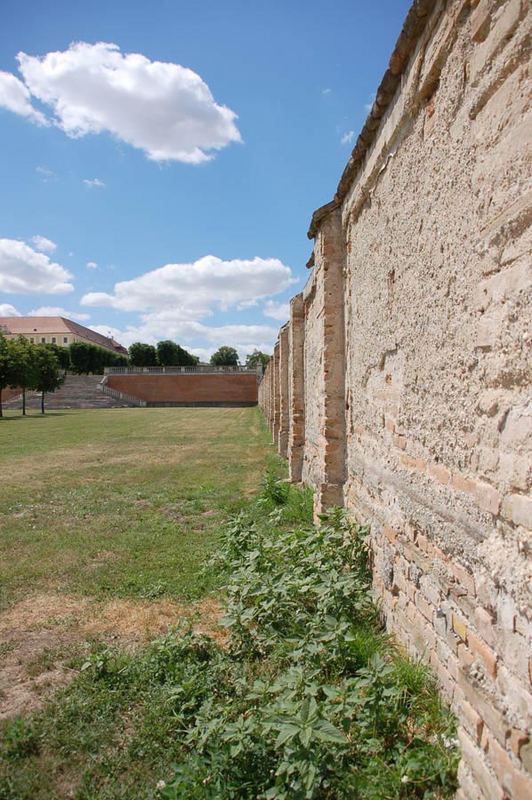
13, 417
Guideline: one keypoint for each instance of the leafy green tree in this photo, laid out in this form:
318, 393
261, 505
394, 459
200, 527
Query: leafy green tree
186, 359
142, 355
86, 358
168, 353
80, 357
61, 353
21, 366
225, 357
257, 358
5, 361
47, 370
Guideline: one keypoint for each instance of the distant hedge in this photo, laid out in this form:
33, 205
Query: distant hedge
85, 358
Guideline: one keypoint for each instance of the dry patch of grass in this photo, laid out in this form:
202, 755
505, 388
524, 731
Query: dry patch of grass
109, 516
46, 630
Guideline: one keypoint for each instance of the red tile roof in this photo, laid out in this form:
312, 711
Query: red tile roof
26, 326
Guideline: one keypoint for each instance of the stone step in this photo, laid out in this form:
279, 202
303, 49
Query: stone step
78, 391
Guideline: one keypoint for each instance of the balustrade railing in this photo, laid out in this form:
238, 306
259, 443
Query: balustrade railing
201, 368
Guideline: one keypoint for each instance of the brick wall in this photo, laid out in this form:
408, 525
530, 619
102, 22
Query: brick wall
408, 389
205, 389
9, 394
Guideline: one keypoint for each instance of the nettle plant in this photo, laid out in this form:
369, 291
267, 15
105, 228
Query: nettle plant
310, 699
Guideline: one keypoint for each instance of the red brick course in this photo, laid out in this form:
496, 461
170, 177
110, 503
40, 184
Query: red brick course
188, 388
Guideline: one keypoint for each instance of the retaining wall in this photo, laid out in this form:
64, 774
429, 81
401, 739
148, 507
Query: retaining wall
407, 358
189, 388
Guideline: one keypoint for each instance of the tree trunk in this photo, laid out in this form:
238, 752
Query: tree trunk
42, 402
24, 401
1, 409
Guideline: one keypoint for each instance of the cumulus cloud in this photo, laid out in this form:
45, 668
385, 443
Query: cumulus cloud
280, 311
91, 265
194, 289
347, 138
57, 311
200, 339
94, 183
164, 109
14, 96
43, 244
173, 300
23, 270
7, 310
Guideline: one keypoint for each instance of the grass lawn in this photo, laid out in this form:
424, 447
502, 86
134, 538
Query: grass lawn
120, 502
107, 692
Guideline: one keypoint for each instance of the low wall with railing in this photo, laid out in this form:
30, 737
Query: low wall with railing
203, 369
191, 388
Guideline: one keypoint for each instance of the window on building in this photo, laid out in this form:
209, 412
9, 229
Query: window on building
43, 339
31, 339
65, 339
53, 339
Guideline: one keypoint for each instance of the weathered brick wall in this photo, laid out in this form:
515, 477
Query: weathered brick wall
314, 384
237, 388
416, 367
9, 394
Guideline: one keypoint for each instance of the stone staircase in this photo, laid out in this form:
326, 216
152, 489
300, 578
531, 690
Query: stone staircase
78, 391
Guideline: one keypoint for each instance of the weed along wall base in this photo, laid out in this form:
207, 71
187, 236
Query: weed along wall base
401, 383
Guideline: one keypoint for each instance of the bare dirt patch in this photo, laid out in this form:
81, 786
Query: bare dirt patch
42, 631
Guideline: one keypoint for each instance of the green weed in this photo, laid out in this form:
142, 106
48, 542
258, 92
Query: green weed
310, 699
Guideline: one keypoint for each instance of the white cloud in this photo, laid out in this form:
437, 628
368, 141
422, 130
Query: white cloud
7, 310
91, 265
200, 339
46, 173
25, 271
193, 290
162, 108
14, 96
280, 311
94, 183
173, 299
43, 244
347, 138
326, 91
57, 311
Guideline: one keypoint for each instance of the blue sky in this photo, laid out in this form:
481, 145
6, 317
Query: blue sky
192, 188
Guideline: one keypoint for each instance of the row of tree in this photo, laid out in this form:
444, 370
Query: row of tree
82, 357
41, 367
28, 366
170, 354
164, 354
86, 358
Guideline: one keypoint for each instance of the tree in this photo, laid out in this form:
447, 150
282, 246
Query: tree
257, 358
186, 359
22, 366
80, 357
142, 355
225, 357
61, 353
168, 353
86, 358
47, 369
5, 361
